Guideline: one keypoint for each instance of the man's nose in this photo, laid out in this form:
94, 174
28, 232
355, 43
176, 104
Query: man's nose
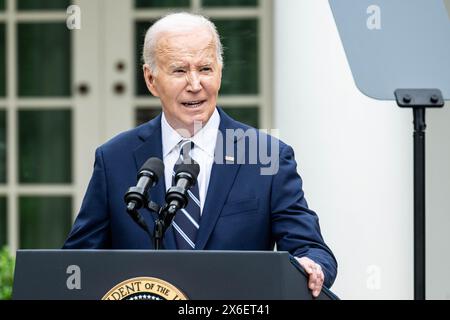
194, 83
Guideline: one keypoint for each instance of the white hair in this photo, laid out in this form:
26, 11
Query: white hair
175, 22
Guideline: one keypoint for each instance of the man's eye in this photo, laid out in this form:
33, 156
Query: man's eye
206, 69
178, 71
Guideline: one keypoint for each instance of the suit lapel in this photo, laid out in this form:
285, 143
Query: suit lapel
223, 174
152, 147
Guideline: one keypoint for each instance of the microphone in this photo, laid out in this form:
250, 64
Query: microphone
176, 197
185, 177
136, 197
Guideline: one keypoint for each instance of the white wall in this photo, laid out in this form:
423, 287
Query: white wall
355, 155
438, 204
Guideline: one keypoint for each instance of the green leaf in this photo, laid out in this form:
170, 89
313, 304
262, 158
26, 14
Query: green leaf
6, 274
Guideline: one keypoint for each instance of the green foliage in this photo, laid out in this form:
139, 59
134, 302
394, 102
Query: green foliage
6, 274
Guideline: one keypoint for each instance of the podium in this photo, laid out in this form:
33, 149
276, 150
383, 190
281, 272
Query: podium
159, 275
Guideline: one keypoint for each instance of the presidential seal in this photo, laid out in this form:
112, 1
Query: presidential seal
144, 288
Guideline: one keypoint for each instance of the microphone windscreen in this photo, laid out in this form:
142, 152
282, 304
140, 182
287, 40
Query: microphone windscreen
192, 168
155, 165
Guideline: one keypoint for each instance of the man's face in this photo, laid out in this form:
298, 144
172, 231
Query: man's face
187, 79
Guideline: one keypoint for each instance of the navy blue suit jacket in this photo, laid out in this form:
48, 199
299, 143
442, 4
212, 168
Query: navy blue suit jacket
243, 209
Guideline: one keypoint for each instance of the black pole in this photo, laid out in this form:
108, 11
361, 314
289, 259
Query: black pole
419, 100
419, 203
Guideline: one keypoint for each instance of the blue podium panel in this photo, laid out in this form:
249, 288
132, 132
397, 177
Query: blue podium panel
159, 275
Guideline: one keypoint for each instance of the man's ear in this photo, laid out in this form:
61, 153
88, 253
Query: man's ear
150, 80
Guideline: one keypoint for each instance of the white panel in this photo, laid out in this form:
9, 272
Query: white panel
12, 151
354, 153
86, 44
117, 46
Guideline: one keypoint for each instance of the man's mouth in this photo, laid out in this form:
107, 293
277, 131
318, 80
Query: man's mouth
193, 104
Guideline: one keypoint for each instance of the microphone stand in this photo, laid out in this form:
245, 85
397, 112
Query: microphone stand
134, 213
160, 224
158, 234
165, 217
178, 196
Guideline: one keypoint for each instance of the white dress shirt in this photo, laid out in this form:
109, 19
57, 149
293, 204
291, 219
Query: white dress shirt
203, 151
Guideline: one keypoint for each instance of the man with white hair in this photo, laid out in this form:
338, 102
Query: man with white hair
234, 206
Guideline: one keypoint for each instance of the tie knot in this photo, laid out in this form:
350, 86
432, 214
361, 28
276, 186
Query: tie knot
186, 147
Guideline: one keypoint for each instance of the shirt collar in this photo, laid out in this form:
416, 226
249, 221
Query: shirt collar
205, 139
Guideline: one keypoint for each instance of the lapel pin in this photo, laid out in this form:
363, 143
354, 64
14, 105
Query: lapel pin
229, 158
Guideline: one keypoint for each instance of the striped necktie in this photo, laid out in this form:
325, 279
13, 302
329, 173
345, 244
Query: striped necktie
186, 222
